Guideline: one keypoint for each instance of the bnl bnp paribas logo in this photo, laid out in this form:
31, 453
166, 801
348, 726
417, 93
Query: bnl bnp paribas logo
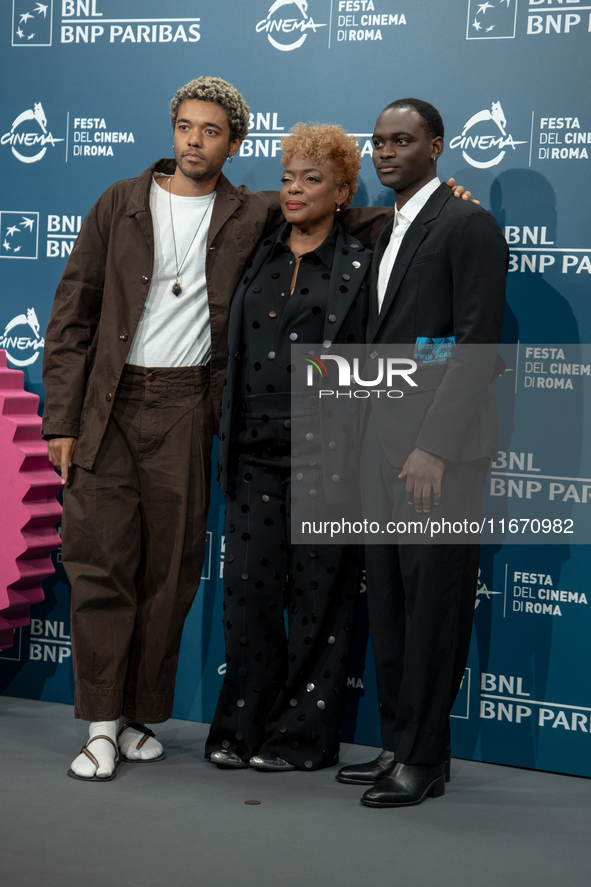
485, 138
288, 24
29, 136
19, 235
494, 20
32, 23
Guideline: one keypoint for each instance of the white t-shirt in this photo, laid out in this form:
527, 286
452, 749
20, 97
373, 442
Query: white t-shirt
174, 330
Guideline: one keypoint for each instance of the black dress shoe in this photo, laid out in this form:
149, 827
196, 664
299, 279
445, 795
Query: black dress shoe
368, 774
407, 785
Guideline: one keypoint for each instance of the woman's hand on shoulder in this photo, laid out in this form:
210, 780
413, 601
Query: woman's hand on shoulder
460, 191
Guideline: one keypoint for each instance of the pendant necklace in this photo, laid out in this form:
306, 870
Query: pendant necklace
176, 287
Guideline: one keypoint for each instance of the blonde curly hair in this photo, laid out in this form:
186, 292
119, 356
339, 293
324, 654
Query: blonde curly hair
216, 90
327, 143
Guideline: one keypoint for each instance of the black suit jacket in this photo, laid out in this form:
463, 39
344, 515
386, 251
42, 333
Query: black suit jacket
345, 321
448, 280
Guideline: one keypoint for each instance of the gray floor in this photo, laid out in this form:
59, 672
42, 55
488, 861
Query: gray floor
184, 822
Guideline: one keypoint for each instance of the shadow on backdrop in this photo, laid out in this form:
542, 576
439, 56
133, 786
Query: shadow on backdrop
536, 312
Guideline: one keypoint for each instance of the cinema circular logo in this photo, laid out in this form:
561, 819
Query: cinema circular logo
22, 340
287, 23
483, 135
28, 136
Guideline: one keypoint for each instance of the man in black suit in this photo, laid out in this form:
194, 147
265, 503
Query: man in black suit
439, 274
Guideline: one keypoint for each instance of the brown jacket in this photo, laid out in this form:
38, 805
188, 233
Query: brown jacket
101, 295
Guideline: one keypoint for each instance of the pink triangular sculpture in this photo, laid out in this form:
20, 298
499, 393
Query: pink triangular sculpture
29, 509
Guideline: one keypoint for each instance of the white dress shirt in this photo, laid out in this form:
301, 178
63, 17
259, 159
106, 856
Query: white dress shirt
403, 219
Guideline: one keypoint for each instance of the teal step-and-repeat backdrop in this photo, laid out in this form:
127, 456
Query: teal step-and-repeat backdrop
85, 102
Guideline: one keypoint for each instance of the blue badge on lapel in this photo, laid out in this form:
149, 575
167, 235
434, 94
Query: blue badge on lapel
434, 350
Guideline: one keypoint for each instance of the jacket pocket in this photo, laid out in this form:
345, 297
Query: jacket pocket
422, 258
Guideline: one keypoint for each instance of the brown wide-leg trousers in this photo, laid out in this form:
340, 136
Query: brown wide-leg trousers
133, 543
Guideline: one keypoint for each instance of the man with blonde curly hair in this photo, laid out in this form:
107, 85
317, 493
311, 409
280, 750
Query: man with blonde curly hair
134, 370
218, 92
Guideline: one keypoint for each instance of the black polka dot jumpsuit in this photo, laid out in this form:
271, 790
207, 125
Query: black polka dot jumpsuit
289, 610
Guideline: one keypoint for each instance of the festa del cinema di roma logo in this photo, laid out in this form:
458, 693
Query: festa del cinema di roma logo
477, 140
285, 26
28, 136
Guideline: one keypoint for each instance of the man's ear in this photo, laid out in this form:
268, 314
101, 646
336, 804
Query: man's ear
234, 146
437, 146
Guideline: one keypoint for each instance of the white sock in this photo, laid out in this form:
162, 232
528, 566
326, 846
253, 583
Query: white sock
102, 750
128, 742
